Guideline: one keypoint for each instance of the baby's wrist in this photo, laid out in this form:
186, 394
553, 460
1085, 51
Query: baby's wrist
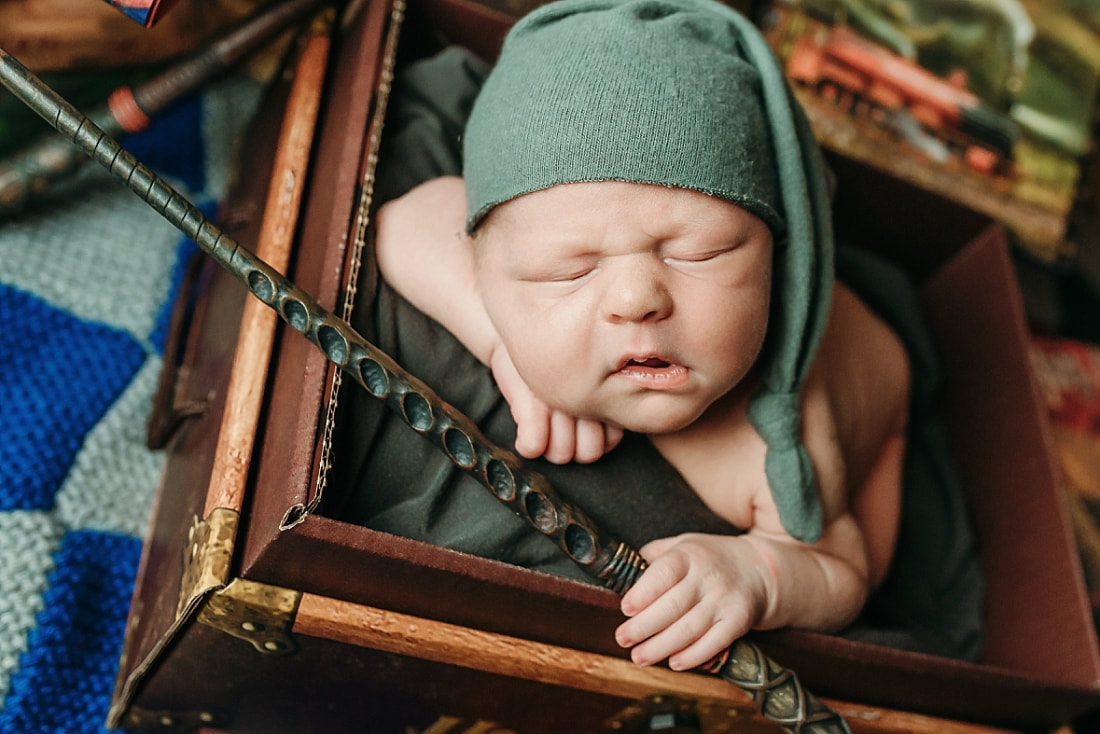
767, 573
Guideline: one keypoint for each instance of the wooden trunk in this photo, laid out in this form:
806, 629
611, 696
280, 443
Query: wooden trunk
255, 612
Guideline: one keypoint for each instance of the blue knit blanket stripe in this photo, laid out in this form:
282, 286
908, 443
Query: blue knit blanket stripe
87, 280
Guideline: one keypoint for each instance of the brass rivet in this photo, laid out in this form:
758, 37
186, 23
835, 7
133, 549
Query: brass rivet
248, 626
272, 645
167, 721
206, 717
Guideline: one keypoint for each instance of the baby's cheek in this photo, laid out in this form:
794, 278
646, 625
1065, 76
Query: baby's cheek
556, 384
552, 347
535, 367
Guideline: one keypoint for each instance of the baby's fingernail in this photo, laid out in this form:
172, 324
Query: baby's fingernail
675, 664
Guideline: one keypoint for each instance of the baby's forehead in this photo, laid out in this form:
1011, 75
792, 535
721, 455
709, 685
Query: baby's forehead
655, 208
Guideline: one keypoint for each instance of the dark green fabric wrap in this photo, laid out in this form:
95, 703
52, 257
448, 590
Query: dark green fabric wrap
389, 478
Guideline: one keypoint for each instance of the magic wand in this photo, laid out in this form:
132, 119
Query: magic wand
776, 690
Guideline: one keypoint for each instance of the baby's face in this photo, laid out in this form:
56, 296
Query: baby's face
634, 304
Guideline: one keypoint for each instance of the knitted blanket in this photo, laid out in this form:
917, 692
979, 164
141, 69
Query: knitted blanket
87, 279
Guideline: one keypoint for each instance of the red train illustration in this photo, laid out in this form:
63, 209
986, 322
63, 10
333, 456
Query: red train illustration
938, 115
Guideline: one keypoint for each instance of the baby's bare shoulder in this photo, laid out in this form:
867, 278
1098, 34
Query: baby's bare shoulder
863, 363
856, 399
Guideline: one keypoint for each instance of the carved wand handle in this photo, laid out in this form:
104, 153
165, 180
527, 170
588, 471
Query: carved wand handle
777, 691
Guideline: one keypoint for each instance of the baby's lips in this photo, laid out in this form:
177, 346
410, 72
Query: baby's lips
650, 361
654, 362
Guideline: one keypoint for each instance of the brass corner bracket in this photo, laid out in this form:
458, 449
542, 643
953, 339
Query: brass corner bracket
258, 613
255, 612
207, 556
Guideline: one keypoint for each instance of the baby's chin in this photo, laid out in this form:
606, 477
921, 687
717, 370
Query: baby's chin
657, 425
650, 421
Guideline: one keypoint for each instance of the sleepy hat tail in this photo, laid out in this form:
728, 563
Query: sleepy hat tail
799, 315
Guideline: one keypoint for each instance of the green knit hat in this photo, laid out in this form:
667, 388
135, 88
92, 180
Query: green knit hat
681, 93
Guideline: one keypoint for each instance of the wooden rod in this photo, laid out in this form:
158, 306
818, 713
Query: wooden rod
248, 375
451, 644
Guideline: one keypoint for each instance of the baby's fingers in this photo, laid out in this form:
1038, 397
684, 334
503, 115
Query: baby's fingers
652, 550
653, 587
669, 631
532, 416
652, 621
562, 443
592, 441
613, 435
688, 638
532, 428
714, 641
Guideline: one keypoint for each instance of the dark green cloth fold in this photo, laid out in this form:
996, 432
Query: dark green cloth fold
389, 478
935, 590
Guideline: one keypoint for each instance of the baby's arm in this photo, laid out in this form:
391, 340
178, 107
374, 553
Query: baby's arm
424, 253
544, 431
702, 592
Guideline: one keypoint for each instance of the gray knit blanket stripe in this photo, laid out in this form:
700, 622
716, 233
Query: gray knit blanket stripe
87, 278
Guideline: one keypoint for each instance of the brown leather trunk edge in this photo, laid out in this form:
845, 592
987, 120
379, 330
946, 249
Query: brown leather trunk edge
204, 374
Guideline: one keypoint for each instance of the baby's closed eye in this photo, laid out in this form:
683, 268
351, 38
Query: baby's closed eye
697, 255
714, 263
557, 275
725, 260
555, 269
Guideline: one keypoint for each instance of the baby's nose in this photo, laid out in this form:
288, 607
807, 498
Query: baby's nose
638, 293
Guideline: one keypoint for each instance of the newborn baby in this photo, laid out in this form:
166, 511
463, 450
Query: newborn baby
640, 241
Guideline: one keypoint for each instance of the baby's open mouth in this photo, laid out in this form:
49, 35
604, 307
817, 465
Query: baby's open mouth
654, 372
654, 362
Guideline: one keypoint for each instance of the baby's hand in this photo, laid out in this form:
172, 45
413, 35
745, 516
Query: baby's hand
544, 431
699, 594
